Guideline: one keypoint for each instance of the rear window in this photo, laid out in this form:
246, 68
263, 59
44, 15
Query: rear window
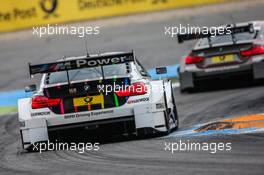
89, 73
226, 39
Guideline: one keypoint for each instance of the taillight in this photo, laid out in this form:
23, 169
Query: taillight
193, 59
255, 50
135, 89
44, 102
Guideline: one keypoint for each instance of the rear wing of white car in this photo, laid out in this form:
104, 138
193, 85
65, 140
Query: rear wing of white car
228, 30
82, 62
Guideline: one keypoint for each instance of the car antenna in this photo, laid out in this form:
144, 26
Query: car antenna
209, 41
133, 53
102, 69
67, 72
87, 53
232, 32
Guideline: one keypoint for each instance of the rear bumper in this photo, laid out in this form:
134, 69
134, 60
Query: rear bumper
188, 79
92, 124
143, 116
221, 73
84, 130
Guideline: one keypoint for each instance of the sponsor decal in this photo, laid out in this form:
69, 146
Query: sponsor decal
40, 114
97, 4
49, 7
98, 62
17, 14
86, 87
88, 99
90, 114
160, 106
72, 91
221, 69
22, 124
138, 100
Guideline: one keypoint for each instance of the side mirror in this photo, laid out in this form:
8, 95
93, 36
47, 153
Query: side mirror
31, 88
161, 70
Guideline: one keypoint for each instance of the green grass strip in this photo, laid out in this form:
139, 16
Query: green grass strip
7, 110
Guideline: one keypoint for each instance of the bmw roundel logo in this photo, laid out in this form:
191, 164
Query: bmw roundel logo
86, 87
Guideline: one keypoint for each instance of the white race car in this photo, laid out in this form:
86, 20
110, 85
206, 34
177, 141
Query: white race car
108, 93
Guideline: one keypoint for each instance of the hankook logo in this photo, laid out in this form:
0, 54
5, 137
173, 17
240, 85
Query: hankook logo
49, 7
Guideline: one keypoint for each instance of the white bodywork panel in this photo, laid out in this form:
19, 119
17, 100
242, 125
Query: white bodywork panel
35, 130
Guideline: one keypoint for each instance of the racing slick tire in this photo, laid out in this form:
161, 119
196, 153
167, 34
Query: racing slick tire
187, 90
171, 114
187, 83
175, 112
35, 148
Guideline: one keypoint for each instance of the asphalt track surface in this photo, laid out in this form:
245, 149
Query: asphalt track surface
138, 156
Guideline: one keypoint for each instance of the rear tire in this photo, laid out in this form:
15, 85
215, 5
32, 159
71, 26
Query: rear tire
186, 83
166, 116
188, 90
171, 115
33, 149
176, 118
167, 122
